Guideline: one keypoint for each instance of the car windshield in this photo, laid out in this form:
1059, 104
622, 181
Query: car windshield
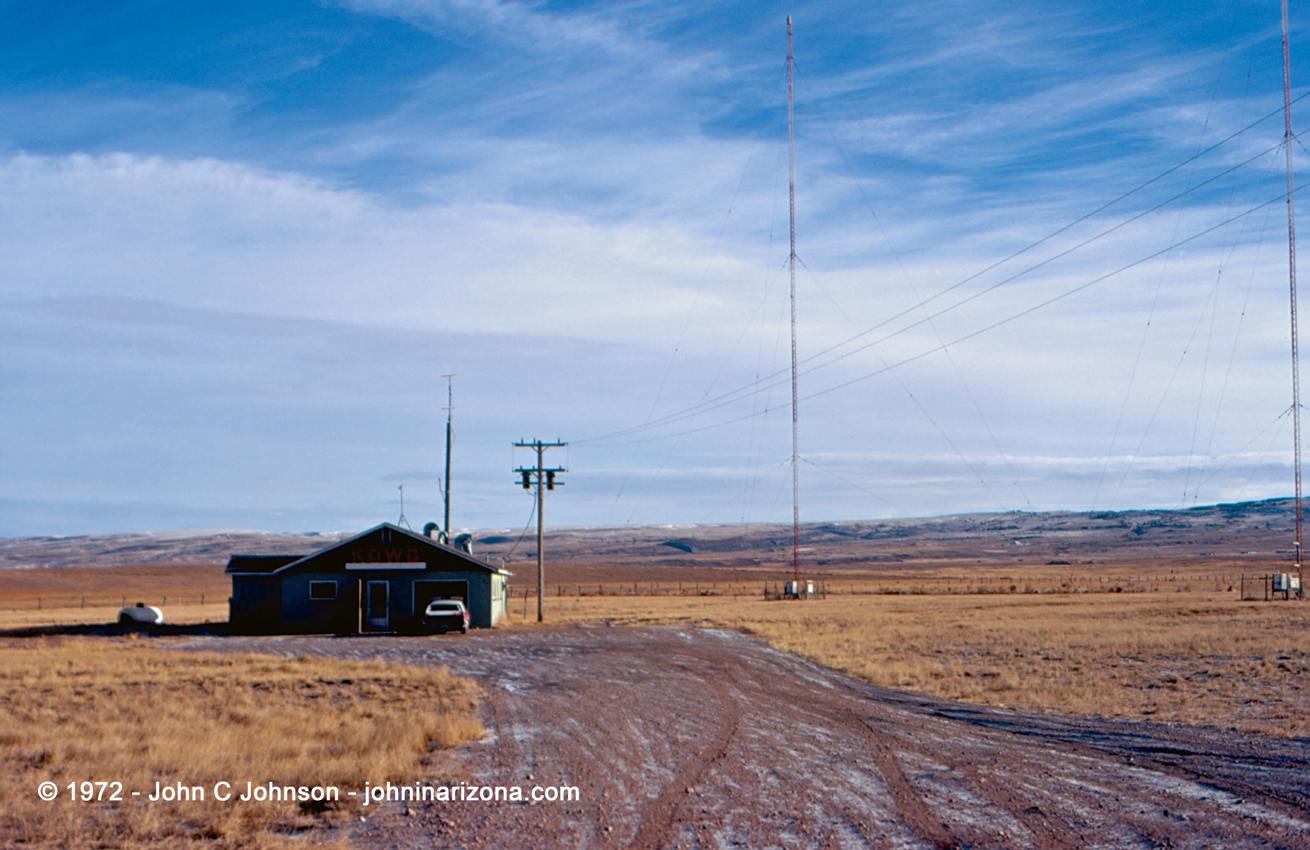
444, 606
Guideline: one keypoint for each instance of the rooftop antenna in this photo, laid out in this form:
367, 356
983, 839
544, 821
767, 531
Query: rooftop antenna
791, 204
450, 406
402, 520
1291, 271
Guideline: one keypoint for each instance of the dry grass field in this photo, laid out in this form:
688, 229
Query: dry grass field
79, 710
19, 618
1176, 645
1194, 656
1018, 610
61, 595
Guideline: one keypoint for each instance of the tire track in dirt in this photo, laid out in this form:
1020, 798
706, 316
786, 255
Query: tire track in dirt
1052, 829
1192, 753
1044, 832
1195, 766
657, 816
918, 814
911, 806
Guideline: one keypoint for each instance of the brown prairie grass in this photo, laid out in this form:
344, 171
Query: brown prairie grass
1198, 658
75, 710
147, 582
101, 614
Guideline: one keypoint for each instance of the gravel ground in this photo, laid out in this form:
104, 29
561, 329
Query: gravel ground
684, 737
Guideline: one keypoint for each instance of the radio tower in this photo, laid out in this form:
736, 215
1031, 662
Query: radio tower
1291, 270
791, 205
450, 407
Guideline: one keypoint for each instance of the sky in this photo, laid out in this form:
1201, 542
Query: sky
1041, 260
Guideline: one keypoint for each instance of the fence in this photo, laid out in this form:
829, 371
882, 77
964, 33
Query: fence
1249, 587
103, 600
1267, 587
1209, 582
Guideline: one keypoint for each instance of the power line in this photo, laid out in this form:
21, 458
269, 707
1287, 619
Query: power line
771, 380
963, 338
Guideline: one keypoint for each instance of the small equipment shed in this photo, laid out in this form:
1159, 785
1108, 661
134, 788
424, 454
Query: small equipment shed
378, 581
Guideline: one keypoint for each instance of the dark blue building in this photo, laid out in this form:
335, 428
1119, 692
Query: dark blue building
378, 581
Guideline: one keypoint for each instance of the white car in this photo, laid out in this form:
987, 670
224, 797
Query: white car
442, 615
140, 613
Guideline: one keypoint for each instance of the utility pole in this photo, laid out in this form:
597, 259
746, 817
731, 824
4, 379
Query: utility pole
450, 406
540, 476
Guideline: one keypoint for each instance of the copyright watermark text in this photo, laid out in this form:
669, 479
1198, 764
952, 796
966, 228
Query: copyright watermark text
245, 792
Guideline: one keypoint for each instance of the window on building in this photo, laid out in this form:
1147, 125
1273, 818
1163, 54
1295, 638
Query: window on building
323, 591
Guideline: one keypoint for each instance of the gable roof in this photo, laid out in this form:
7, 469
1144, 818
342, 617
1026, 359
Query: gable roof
274, 564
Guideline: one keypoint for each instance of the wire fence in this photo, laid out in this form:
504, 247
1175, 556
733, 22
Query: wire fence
1271, 586
102, 600
822, 588
1267, 586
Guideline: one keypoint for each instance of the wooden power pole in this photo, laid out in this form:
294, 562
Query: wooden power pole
542, 478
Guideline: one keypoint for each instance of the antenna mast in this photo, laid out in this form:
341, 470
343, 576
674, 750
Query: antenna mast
791, 205
450, 405
1291, 270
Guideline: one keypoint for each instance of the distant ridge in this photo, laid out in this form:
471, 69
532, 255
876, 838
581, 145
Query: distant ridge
1238, 528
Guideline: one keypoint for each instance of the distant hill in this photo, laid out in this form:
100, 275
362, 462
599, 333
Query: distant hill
1232, 533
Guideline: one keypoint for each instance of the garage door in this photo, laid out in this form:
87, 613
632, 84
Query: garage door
426, 591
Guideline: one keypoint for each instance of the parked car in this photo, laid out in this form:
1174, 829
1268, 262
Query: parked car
442, 615
141, 613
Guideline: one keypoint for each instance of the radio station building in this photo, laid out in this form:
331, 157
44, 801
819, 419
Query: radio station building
378, 581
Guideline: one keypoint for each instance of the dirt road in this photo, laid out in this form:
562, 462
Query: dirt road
681, 737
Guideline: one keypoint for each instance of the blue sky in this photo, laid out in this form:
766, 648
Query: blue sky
243, 242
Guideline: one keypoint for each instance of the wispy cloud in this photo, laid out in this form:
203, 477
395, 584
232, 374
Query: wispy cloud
273, 243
